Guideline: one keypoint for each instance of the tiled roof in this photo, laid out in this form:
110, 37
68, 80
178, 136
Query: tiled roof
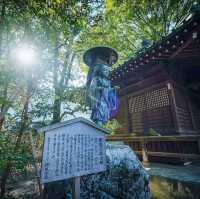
182, 42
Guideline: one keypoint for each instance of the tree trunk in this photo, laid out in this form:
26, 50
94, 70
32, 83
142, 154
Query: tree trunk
56, 110
1, 122
57, 100
2, 17
4, 178
24, 120
1, 38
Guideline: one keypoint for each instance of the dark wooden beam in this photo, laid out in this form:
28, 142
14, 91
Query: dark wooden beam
187, 56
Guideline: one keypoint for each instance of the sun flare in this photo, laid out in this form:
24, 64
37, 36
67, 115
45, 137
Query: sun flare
25, 55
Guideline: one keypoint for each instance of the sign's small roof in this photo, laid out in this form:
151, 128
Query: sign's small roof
68, 122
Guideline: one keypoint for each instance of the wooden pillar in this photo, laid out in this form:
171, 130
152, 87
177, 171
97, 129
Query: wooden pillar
174, 112
199, 144
128, 115
191, 114
145, 158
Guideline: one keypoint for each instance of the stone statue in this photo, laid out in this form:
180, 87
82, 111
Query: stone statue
102, 97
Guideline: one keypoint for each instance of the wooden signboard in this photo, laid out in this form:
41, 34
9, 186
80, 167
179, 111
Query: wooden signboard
71, 149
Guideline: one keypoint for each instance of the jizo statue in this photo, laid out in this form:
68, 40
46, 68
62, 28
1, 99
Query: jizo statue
102, 97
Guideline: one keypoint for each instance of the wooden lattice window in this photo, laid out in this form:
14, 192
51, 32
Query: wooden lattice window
137, 104
157, 98
149, 100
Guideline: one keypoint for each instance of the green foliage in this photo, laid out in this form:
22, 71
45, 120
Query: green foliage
112, 125
19, 158
44, 92
184, 194
4, 101
125, 24
152, 132
8, 197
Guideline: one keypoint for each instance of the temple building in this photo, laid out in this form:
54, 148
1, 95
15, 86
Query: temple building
160, 88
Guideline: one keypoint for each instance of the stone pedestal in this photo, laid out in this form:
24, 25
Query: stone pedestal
124, 178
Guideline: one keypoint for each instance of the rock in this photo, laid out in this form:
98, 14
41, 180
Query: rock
25, 190
125, 178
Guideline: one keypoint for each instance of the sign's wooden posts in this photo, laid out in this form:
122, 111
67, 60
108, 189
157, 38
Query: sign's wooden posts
76, 188
73, 149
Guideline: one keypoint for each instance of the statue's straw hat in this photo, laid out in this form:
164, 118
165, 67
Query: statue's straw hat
107, 54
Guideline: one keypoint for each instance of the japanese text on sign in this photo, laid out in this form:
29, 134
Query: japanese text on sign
70, 152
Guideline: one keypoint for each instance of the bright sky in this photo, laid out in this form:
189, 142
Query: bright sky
79, 76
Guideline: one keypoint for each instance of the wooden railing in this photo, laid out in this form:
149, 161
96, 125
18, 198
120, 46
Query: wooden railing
169, 149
